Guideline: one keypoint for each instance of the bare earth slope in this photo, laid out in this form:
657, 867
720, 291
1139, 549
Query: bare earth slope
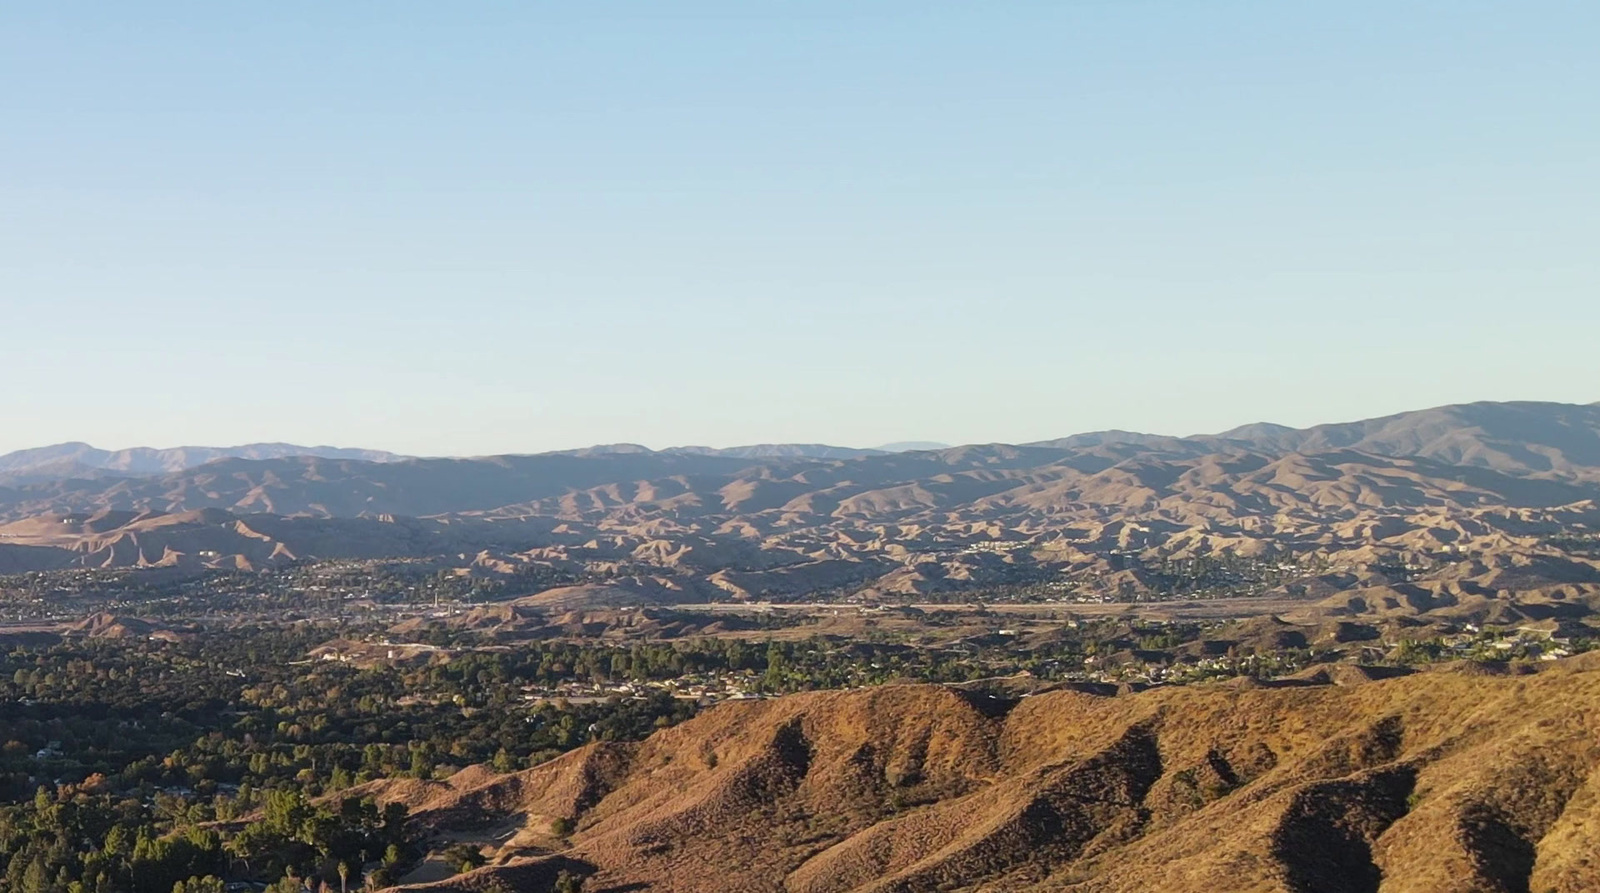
1446, 781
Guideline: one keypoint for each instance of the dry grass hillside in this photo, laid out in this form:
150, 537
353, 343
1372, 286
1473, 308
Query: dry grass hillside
1467, 778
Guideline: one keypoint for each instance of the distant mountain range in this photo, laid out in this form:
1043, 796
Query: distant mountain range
1521, 436
1541, 441
1472, 492
65, 460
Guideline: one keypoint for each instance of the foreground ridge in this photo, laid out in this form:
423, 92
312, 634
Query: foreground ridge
1481, 777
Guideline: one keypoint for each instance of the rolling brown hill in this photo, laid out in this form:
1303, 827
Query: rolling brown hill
1466, 778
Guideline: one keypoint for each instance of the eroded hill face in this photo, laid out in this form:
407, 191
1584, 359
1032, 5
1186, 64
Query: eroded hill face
1443, 781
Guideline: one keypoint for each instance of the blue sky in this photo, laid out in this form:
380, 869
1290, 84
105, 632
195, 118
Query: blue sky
471, 228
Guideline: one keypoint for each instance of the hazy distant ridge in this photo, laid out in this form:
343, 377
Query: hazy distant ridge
1520, 437
70, 457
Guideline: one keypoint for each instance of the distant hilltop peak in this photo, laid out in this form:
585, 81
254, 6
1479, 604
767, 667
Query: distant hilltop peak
912, 446
752, 451
607, 449
1256, 431
756, 451
1102, 438
77, 457
778, 451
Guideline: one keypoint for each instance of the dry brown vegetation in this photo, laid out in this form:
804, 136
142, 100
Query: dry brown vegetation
1466, 778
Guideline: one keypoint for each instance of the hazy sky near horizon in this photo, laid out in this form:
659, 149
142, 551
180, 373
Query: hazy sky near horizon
474, 228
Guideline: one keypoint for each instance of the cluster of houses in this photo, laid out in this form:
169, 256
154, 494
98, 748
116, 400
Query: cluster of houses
1522, 643
703, 688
